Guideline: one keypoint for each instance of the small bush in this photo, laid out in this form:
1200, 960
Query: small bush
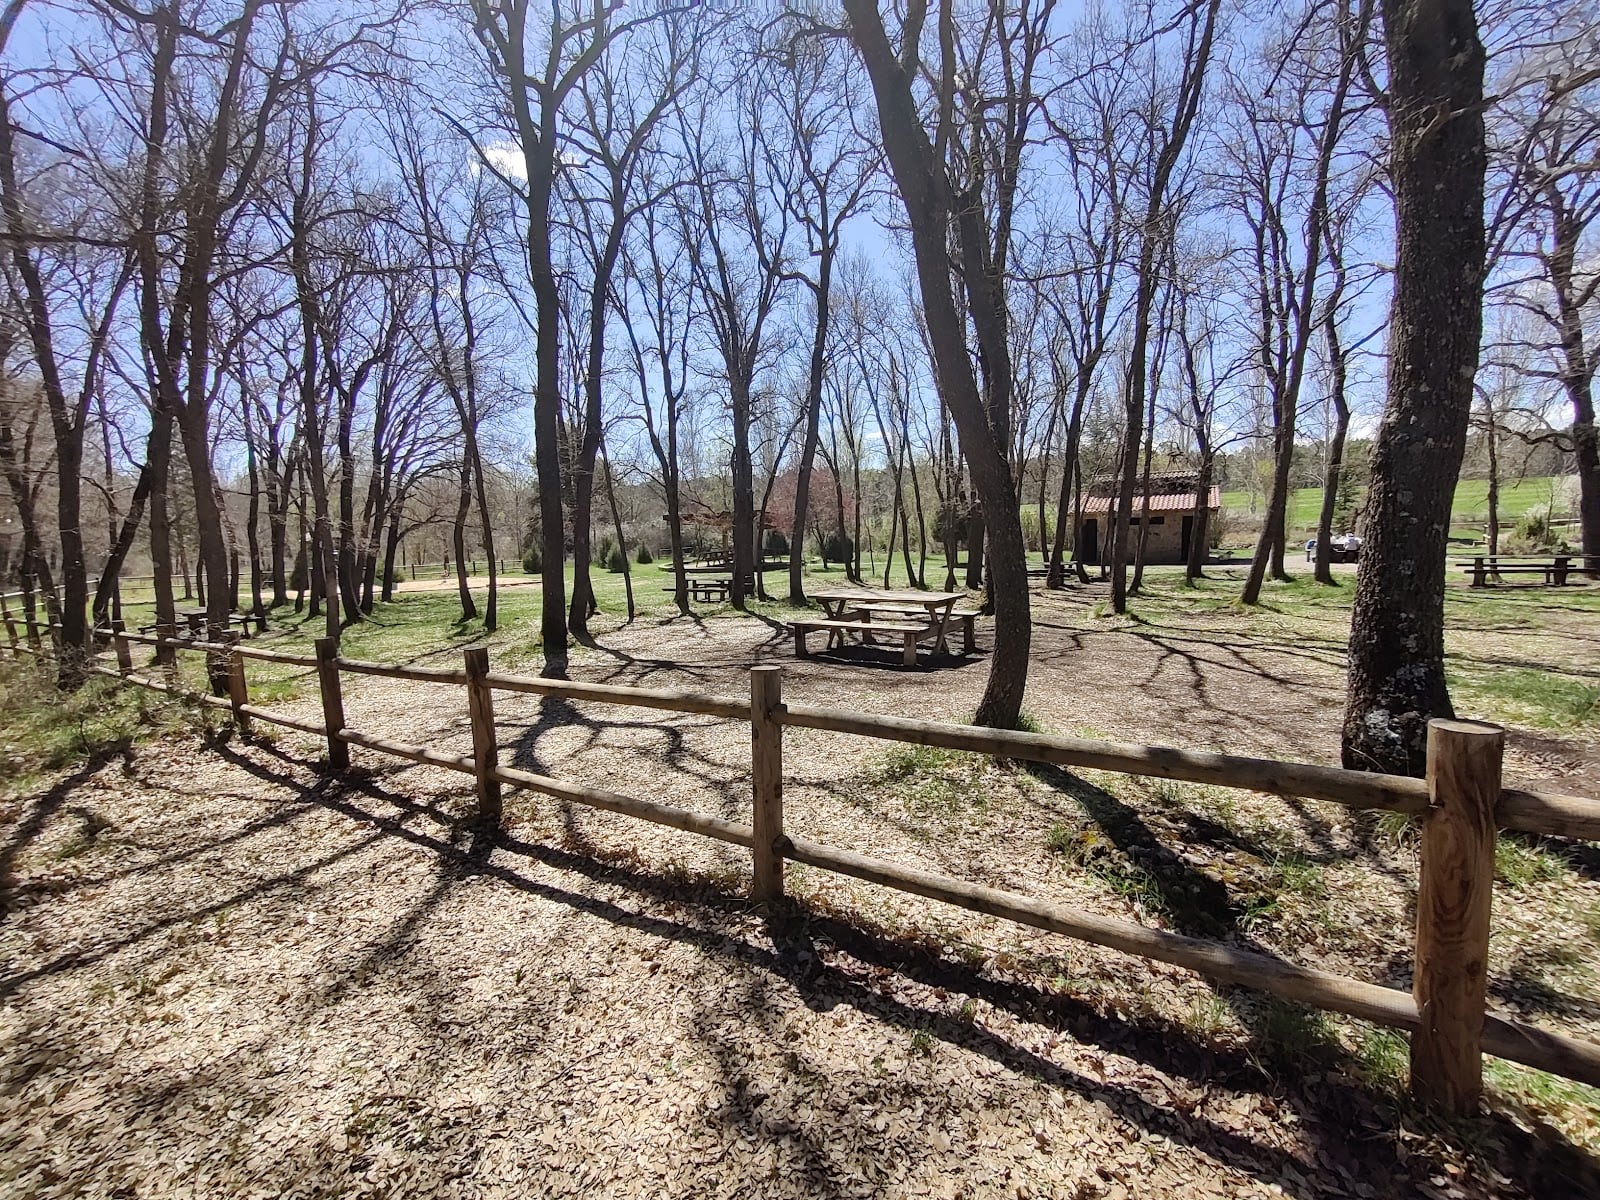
837, 547
604, 549
616, 561
1534, 528
777, 543
644, 557
532, 561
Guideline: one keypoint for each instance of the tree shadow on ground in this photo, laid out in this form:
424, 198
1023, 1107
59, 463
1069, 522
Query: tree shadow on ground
46, 807
1346, 1131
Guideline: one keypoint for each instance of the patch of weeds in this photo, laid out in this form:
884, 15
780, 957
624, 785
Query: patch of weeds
1517, 865
1384, 1056
1208, 1017
922, 1043
274, 691
1028, 723
905, 763
1290, 1035
1295, 888
1170, 792
1062, 838
933, 781
1564, 1103
1397, 829
1299, 876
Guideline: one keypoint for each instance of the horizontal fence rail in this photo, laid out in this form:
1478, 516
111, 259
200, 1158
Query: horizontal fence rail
1457, 807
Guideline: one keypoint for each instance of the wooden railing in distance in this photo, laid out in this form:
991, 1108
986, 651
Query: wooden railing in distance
1459, 806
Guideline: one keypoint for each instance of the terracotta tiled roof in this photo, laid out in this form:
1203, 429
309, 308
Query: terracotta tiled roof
1095, 505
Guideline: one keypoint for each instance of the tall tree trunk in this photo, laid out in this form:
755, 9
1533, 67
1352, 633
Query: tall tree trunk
1341, 428
252, 521
458, 536
1200, 531
1493, 529
808, 443
616, 523
1578, 377
160, 462
106, 591
1437, 162
924, 189
391, 551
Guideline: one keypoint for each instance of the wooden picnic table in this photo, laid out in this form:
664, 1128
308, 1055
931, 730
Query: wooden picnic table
843, 603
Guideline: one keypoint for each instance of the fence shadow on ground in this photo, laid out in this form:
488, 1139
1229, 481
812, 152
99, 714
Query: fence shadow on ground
833, 960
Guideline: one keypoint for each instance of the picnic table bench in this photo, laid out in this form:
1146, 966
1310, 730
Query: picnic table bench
708, 591
911, 617
191, 623
1554, 570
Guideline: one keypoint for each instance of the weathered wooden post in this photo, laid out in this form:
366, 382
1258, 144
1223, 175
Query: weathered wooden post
11, 625
766, 775
1479, 576
119, 641
332, 702
485, 746
1453, 894
30, 620
238, 689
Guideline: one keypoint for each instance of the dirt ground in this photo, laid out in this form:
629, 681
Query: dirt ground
225, 974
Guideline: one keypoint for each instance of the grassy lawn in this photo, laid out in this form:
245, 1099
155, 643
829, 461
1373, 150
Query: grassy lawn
1471, 502
1503, 650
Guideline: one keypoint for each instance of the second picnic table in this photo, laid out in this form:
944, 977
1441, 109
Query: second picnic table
910, 615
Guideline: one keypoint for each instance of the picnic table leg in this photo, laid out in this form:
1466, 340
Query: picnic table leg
969, 642
941, 643
911, 650
800, 641
1478, 579
1563, 565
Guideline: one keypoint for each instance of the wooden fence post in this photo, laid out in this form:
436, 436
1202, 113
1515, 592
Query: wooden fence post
766, 776
30, 620
485, 746
11, 626
332, 702
120, 643
238, 689
1454, 889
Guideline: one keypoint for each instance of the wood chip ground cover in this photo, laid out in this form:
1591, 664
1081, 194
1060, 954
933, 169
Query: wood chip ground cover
227, 975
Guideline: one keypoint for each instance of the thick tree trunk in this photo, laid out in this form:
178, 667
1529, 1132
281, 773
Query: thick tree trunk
1436, 162
924, 190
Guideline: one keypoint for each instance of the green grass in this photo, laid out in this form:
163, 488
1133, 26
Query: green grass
1518, 865
1543, 697
43, 730
1471, 502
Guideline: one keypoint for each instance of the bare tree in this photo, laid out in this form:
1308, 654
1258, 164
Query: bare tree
1437, 161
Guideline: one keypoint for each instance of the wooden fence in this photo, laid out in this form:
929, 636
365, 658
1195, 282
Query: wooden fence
1459, 807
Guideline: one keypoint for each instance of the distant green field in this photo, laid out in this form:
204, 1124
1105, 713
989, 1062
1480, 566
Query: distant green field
1471, 503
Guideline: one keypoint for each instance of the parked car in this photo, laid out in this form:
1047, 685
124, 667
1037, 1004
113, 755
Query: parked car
1342, 547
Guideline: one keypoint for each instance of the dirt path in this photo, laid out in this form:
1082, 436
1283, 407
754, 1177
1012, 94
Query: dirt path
226, 976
